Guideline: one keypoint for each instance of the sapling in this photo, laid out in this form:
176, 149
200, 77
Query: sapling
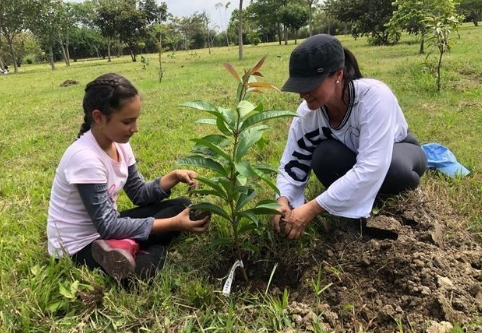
235, 178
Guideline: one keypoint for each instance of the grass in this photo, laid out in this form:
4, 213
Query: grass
39, 120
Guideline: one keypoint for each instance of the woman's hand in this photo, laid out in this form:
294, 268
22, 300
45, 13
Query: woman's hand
179, 176
285, 210
296, 222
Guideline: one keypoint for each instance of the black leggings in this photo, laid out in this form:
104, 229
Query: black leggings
332, 159
152, 252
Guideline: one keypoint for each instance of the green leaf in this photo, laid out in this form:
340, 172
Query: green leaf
214, 185
220, 140
247, 139
243, 180
244, 198
65, 292
263, 211
52, 307
245, 107
229, 117
200, 105
247, 226
223, 127
265, 115
203, 162
249, 247
209, 192
244, 168
249, 215
218, 242
264, 177
266, 207
228, 186
208, 144
215, 209
265, 167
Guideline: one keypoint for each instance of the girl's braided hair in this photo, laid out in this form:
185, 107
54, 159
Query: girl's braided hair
107, 93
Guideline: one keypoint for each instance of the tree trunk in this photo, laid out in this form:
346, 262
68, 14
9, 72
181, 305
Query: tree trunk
285, 31
12, 53
439, 66
422, 45
51, 56
240, 30
67, 50
109, 44
310, 28
279, 33
64, 53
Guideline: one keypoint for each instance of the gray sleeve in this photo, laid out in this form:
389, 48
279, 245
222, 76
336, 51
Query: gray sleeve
107, 220
141, 192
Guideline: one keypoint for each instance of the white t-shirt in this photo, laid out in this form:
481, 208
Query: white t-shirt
69, 227
370, 128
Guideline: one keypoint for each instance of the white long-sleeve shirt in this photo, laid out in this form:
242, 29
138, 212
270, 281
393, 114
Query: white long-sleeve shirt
371, 126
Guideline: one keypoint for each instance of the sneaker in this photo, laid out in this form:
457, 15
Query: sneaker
116, 256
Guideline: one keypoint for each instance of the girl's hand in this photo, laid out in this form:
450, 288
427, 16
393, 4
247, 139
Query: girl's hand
184, 223
179, 176
188, 177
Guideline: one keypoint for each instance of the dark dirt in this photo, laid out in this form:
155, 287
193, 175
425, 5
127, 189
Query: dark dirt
411, 266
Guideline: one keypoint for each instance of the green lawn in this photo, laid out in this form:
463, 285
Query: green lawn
39, 119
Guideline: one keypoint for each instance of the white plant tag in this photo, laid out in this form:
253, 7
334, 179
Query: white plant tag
229, 280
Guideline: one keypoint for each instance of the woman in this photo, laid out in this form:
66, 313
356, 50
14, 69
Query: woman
350, 131
83, 220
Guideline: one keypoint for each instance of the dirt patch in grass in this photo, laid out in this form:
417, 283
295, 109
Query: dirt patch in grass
409, 267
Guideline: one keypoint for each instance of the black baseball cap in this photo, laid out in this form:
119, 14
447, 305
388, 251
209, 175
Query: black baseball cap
312, 61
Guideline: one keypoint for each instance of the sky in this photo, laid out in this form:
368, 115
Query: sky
219, 17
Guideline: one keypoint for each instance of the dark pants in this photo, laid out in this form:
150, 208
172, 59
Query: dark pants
152, 252
332, 159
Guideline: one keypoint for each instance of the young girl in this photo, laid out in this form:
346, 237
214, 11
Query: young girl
83, 220
350, 131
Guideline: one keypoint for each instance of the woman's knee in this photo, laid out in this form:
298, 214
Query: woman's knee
331, 160
399, 180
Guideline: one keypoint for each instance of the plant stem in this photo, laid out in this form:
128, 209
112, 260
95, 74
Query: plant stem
239, 254
232, 204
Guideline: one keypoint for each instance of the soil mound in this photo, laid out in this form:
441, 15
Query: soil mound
412, 267
408, 267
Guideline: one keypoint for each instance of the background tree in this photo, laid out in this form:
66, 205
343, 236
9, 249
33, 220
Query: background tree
324, 22
311, 7
367, 17
293, 17
219, 6
240, 29
65, 21
410, 15
106, 20
472, 9
265, 16
44, 21
131, 25
12, 23
440, 29
85, 39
